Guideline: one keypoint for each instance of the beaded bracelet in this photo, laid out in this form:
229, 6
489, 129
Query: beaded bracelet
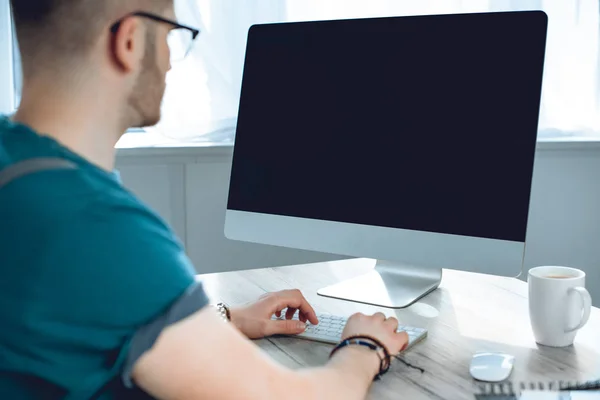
371, 343
223, 311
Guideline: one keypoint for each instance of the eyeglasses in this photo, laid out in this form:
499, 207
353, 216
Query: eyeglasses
180, 38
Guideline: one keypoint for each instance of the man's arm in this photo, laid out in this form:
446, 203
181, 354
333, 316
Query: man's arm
139, 283
203, 358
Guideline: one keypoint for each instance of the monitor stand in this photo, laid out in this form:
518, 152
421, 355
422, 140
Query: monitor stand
390, 284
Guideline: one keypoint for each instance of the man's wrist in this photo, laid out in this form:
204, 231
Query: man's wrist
364, 361
370, 343
234, 317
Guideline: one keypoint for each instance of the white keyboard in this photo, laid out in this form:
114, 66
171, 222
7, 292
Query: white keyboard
330, 327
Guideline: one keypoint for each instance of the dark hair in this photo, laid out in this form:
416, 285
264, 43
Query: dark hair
54, 31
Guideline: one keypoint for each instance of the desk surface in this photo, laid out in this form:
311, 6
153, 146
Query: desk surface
468, 313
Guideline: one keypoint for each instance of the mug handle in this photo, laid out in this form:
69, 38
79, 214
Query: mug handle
586, 299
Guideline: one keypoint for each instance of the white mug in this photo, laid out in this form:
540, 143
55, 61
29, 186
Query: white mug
559, 304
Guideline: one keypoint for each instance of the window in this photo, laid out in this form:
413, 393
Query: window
571, 91
17, 76
7, 82
205, 87
203, 90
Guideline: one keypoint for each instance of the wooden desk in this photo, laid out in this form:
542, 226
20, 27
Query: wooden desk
468, 313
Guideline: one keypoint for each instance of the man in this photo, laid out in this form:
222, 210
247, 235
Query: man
98, 298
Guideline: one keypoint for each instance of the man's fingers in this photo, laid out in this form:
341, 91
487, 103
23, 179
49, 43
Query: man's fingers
403, 339
392, 322
289, 314
295, 299
379, 315
302, 317
285, 327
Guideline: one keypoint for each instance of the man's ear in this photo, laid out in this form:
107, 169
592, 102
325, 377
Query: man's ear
129, 42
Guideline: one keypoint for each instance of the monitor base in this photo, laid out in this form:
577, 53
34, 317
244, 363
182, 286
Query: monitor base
390, 285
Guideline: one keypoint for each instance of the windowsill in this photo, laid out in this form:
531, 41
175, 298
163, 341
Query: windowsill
591, 143
143, 139
145, 144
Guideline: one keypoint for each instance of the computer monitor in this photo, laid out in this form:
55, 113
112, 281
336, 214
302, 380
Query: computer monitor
410, 140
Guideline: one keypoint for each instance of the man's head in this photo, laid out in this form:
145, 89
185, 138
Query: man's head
70, 41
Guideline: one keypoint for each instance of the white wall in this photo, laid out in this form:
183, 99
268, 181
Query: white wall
564, 224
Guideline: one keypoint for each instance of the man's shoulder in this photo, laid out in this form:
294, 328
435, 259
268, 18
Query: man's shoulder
61, 194
103, 238
33, 182
81, 216
84, 208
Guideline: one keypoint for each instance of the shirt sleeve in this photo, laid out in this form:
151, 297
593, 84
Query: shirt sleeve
194, 299
119, 273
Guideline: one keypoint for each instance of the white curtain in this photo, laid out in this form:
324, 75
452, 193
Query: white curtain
202, 94
203, 91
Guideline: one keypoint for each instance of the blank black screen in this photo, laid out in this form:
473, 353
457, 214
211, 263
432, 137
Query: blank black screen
424, 123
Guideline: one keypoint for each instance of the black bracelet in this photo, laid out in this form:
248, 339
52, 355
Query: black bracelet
371, 343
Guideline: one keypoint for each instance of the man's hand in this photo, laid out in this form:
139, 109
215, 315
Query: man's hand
379, 327
254, 320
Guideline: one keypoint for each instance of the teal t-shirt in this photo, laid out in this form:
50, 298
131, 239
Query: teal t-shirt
83, 265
